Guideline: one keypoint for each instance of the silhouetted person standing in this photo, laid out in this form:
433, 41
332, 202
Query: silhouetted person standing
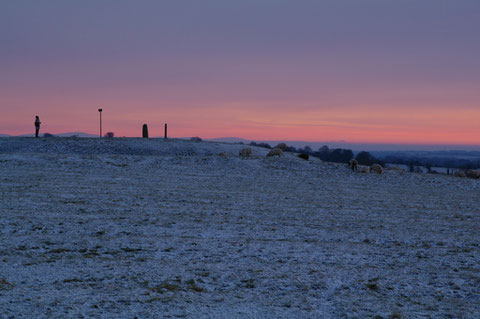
37, 125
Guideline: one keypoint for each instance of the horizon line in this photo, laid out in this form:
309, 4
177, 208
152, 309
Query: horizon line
93, 135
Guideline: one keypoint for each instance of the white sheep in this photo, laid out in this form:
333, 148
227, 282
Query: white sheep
364, 169
275, 152
281, 146
473, 173
460, 174
245, 152
377, 168
353, 163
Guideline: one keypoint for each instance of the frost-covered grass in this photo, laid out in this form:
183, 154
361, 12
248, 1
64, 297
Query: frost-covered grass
89, 229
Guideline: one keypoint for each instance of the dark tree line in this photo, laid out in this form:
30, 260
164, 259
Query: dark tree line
260, 145
336, 155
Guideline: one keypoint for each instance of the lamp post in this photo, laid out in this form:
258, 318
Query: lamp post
100, 111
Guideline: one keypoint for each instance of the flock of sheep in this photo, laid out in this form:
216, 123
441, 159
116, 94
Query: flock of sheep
353, 163
375, 168
469, 173
276, 151
280, 148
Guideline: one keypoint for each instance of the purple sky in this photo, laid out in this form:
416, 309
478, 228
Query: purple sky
371, 71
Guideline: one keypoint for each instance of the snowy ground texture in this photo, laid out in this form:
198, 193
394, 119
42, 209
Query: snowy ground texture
127, 228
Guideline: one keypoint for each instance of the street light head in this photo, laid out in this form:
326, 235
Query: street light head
100, 110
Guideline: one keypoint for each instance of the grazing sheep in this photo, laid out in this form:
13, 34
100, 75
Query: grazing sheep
460, 174
473, 173
376, 168
245, 152
353, 163
275, 152
304, 156
476, 173
364, 169
281, 146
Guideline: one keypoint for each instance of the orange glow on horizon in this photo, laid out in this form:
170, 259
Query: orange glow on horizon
360, 124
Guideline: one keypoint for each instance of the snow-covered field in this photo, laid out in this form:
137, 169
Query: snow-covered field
127, 228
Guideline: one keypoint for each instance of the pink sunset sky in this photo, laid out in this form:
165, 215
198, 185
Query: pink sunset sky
359, 71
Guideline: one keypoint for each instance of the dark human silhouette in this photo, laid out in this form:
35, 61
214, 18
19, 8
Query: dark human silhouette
37, 125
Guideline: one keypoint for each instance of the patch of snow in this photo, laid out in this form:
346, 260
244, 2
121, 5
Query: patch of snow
125, 228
